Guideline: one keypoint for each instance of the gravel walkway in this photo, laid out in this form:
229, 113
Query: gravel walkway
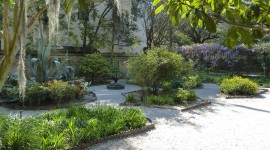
241, 124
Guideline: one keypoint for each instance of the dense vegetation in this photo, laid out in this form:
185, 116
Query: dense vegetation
94, 65
65, 129
238, 86
155, 68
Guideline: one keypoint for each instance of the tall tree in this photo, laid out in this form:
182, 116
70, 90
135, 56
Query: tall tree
14, 34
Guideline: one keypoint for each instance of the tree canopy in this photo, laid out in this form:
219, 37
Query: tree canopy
248, 19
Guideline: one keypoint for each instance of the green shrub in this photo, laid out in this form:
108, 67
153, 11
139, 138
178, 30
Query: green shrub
159, 100
9, 91
238, 86
60, 91
166, 88
36, 94
53, 91
131, 98
154, 68
183, 96
66, 128
192, 82
94, 65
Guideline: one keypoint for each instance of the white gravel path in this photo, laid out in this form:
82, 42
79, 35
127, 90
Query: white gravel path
241, 124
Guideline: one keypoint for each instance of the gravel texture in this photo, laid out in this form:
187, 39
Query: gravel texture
241, 124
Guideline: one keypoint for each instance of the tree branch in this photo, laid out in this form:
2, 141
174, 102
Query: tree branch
240, 25
33, 20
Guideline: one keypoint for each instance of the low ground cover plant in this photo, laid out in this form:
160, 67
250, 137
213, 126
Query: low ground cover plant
65, 129
159, 100
131, 98
238, 86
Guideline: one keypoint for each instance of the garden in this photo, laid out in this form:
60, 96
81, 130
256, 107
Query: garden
115, 74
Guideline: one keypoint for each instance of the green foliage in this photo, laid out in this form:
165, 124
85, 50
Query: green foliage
184, 96
94, 65
60, 91
192, 82
211, 78
115, 71
131, 98
36, 94
262, 81
159, 100
187, 82
43, 69
9, 91
53, 91
10, 88
155, 68
247, 19
238, 86
65, 129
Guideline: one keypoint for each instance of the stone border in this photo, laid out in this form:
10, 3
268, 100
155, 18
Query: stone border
262, 91
120, 135
204, 103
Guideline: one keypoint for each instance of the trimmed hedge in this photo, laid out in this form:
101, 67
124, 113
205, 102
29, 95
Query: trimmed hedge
238, 86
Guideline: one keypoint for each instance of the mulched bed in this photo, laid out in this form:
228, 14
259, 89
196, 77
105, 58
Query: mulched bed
149, 126
191, 105
261, 91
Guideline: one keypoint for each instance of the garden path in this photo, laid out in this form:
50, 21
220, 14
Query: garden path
241, 124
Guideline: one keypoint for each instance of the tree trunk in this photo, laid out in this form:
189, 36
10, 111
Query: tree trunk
5, 66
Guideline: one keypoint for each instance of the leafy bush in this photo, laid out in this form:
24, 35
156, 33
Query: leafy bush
192, 82
238, 86
9, 91
183, 96
67, 128
53, 91
62, 90
154, 68
36, 94
131, 98
159, 100
94, 65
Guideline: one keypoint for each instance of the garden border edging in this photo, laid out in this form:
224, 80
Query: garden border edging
120, 135
247, 96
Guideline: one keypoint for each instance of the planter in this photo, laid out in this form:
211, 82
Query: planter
115, 86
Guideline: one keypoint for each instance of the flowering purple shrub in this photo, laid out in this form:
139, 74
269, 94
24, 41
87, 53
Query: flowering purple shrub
217, 57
